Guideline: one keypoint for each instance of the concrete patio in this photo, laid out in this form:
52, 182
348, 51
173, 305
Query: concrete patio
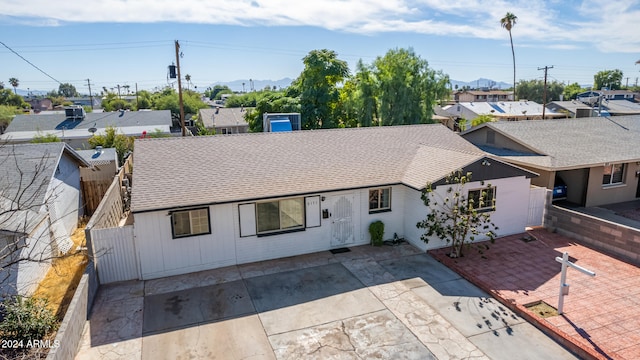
388, 302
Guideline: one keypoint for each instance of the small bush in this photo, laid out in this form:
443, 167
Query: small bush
376, 230
26, 319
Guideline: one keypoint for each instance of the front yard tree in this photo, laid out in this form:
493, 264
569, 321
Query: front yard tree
318, 87
611, 79
454, 216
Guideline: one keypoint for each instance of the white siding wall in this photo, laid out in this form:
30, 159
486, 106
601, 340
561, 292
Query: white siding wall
64, 190
512, 210
160, 255
24, 277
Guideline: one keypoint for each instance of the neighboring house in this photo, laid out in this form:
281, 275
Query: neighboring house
77, 129
483, 96
39, 201
572, 109
225, 120
620, 107
592, 96
104, 164
598, 159
250, 197
39, 104
86, 101
504, 110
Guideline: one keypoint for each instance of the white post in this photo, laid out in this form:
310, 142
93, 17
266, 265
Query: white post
564, 287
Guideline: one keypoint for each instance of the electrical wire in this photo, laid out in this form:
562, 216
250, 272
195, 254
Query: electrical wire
30, 63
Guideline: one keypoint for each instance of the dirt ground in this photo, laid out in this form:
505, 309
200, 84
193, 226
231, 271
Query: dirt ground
61, 281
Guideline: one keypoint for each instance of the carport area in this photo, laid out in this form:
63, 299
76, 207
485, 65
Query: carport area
388, 302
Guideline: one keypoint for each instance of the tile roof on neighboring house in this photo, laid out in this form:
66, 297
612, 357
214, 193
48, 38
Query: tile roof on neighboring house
128, 122
181, 172
565, 144
25, 173
223, 117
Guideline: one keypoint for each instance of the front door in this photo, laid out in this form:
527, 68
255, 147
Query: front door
342, 224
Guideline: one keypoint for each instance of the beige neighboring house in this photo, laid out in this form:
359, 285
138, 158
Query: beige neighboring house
225, 120
596, 158
483, 96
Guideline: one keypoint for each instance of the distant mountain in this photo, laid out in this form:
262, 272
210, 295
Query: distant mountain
480, 83
250, 84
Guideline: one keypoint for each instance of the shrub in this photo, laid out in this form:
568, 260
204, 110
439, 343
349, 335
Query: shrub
26, 319
376, 230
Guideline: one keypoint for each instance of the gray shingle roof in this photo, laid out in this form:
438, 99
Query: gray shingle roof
175, 172
99, 120
26, 171
574, 143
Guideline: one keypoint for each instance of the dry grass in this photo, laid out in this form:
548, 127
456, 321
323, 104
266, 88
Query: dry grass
61, 281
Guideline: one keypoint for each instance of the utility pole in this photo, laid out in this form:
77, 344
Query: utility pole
544, 93
627, 85
184, 132
90, 95
137, 96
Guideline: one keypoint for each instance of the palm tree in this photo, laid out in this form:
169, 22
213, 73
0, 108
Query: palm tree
507, 22
14, 82
188, 78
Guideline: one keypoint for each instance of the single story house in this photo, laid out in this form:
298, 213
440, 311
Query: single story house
224, 120
483, 95
104, 164
572, 108
597, 158
39, 209
504, 110
76, 129
257, 196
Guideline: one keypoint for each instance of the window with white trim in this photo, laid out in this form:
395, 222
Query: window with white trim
482, 199
613, 174
190, 222
380, 200
280, 215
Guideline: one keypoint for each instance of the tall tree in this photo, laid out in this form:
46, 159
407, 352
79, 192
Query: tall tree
14, 82
188, 78
611, 79
67, 90
407, 88
533, 90
318, 91
508, 22
571, 91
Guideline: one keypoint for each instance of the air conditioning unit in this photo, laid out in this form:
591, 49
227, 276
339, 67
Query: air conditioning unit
74, 112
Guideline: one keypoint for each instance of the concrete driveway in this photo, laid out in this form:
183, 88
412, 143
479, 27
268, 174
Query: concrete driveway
386, 303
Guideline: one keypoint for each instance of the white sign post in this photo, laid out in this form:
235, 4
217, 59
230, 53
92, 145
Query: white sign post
564, 287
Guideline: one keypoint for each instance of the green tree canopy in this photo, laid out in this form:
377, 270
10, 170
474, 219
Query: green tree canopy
15, 83
144, 100
318, 87
270, 102
7, 113
215, 92
407, 88
112, 139
611, 79
67, 90
45, 138
533, 90
9, 98
571, 91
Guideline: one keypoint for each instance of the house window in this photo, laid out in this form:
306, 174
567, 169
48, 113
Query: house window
482, 199
280, 215
380, 200
190, 222
613, 174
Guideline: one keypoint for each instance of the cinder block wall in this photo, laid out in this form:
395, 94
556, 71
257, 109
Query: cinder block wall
618, 240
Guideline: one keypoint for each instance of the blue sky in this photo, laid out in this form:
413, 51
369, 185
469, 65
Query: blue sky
120, 42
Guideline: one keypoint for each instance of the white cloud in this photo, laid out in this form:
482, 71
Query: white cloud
551, 23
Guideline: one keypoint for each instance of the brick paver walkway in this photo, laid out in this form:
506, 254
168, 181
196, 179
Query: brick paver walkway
601, 314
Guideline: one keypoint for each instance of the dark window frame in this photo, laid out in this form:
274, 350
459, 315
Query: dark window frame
191, 233
379, 208
280, 230
612, 175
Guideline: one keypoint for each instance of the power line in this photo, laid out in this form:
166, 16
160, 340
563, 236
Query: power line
30, 63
